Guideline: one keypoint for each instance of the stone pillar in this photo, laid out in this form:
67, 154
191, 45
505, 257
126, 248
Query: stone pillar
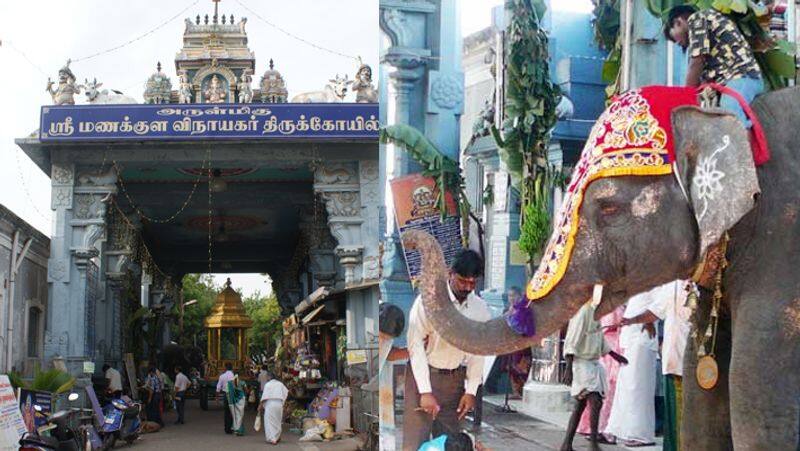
338, 186
405, 23
79, 203
502, 234
117, 264
371, 203
445, 91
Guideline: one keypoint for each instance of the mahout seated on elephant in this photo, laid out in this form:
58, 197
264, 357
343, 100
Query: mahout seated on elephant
633, 232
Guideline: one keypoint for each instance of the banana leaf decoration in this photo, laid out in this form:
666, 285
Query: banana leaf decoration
52, 380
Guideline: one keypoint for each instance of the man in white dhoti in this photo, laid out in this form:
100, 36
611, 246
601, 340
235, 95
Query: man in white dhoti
272, 398
632, 416
583, 347
669, 305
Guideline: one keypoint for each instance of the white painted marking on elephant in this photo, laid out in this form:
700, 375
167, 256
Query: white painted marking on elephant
708, 176
606, 190
791, 318
647, 201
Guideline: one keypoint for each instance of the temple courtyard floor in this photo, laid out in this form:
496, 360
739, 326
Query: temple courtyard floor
517, 431
204, 430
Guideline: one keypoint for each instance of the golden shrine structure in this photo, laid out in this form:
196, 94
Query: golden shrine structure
226, 327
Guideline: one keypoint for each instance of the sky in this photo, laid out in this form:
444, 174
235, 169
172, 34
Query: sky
38, 36
477, 14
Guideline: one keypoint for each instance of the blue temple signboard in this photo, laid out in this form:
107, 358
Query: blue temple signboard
204, 121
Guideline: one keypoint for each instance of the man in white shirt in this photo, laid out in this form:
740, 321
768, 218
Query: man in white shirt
441, 380
114, 381
181, 385
669, 305
222, 388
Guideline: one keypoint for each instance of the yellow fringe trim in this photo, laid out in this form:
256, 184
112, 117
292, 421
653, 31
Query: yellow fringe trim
534, 295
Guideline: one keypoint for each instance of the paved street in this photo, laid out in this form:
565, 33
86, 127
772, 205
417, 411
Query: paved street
516, 432
204, 431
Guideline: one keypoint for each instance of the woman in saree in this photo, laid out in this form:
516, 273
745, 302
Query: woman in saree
237, 400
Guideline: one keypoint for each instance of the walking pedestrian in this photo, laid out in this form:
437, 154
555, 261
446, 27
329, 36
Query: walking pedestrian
222, 388
154, 388
181, 385
610, 326
583, 346
237, 400
273, 395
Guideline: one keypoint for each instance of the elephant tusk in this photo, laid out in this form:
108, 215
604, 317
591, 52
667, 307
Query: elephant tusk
597, 295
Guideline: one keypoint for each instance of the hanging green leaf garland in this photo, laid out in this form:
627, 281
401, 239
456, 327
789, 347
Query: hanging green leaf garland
530, 115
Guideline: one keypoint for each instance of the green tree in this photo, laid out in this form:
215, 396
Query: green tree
202, 288
266, 315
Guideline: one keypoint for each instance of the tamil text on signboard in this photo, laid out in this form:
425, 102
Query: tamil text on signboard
187, 122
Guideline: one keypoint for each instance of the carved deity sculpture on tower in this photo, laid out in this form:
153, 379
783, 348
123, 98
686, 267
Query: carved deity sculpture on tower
64, 94
185, 91
245, 91
215, 93
363, 87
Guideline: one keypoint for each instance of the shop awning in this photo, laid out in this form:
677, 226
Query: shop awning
318, 294
312, 315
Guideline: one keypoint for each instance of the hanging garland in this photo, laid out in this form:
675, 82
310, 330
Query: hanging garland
530, 115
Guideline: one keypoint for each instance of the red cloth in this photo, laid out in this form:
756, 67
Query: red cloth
663, 100
758, 142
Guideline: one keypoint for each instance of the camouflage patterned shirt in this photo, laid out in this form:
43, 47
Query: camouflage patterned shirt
727, 54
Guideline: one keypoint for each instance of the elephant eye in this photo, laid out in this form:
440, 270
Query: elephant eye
609, 209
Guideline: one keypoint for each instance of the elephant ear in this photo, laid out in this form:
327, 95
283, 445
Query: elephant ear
715, 165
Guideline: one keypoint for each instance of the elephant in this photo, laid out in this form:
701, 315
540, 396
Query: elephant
636, 232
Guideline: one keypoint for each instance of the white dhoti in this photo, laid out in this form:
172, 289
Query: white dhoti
273, 397
588, 376
633, 410
273, 420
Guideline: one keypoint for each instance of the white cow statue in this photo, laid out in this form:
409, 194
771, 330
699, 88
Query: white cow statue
96, 97
334, 92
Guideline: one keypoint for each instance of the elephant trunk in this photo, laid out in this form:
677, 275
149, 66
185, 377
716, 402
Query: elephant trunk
480, 338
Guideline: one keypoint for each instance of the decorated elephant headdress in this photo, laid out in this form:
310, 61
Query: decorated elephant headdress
634, 137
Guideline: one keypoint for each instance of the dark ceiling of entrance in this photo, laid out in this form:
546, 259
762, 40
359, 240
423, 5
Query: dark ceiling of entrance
254, 222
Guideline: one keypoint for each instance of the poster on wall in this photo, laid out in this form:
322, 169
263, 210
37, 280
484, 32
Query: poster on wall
11, 425
415, 207
28, 400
